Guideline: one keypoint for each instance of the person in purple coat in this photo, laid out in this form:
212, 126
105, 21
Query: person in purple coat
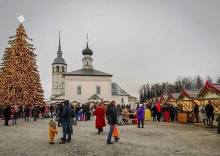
140, 114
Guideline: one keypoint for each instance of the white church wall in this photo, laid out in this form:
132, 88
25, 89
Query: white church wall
88, 87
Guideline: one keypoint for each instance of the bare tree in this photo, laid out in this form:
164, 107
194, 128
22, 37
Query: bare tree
178, 84
218, 80
141, 91
198, 82
149, 91
209, 79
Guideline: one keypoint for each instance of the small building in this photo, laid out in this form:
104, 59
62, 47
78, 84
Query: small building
210, 92
173, 98
188, 98
132, 101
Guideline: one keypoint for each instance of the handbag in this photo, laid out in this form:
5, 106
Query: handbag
115, 131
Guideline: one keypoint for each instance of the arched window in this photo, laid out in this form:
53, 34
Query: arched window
122, 100
57, 67
53, 69
79, 90
98, 90
63, 70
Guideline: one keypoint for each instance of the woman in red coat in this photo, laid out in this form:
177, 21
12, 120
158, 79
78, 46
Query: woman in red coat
100, 118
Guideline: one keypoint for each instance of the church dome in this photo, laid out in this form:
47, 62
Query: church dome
59, 60
87, 51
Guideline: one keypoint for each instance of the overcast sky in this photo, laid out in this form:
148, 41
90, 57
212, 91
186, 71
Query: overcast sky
137, 41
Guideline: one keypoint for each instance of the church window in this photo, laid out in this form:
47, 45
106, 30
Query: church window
122, 100
63, 69
57, 67
79, 90
98, 90
53, 69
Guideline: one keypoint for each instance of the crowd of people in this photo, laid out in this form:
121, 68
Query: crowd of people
66, 114
15, 112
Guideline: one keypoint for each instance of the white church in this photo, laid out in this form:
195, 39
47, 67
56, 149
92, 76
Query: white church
84, 85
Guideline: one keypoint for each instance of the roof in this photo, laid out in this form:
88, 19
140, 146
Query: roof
215, 87
157, 99
164, 97
87, 51
132, 97
59, 60
173, 96
192, 93
117, 90
87, 72
75, 102
57, 97
95, 97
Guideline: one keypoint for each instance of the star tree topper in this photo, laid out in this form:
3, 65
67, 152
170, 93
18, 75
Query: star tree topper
21, 18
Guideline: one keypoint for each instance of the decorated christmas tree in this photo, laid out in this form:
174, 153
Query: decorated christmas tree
19, 77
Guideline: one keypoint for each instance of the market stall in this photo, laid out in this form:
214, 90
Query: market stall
187, 99
211, 92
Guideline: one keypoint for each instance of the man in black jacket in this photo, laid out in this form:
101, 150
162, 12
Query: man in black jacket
66, 122
60, 112
7, 114
111, 115
51, 111
210, 112
26, 113
196, 112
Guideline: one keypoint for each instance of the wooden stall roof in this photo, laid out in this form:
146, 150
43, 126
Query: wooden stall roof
153, 100
75, 102
190, 94
106, 102
172, 96
58, 97
163, 97
214, 88
94, 97
157, 99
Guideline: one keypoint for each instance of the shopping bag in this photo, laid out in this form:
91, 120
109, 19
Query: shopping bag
115, 131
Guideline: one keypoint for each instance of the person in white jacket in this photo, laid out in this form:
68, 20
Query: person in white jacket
203, 115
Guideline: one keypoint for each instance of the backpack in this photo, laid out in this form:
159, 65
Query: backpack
108, 111
202, 111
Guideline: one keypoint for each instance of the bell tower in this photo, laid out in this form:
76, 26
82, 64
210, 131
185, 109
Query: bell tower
59, 67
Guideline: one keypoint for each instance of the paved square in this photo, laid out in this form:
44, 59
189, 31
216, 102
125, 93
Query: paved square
157, 138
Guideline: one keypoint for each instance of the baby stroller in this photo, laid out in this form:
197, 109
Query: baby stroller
74, 121
73, 114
